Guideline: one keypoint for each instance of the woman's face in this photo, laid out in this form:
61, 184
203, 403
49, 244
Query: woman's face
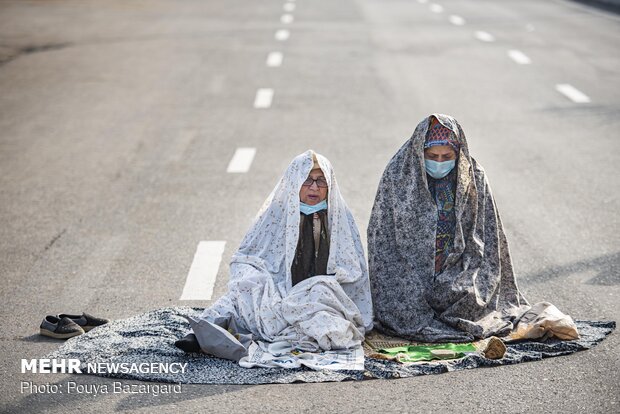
440, 153
314, 193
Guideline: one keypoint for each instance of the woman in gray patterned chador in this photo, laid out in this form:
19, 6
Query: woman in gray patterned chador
440, 268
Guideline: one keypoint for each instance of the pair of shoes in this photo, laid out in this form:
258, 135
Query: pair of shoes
85, 320
189, 343
60, 328
65, 326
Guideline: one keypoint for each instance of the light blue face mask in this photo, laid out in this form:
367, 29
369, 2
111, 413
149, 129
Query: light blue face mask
308, 209
438, 169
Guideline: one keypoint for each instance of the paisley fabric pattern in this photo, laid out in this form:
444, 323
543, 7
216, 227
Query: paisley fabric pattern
331, 311
443, 193
475, 295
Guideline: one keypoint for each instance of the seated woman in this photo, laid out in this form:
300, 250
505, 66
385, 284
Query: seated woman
440, 268
300, 273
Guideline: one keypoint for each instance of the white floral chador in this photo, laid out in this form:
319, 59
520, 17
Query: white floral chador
331, 311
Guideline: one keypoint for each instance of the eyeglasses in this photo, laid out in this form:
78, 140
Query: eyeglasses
320, 182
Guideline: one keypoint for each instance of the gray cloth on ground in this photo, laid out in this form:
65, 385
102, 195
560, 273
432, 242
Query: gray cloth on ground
475, 295
221, 338
150, 337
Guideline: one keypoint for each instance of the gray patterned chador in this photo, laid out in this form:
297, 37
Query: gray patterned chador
440, 268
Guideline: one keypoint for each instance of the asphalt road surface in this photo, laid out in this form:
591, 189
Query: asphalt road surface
118, 121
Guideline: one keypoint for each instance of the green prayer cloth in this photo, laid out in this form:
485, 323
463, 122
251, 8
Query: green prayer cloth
415, 353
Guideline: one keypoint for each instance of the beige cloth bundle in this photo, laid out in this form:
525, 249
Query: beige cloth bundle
544, 321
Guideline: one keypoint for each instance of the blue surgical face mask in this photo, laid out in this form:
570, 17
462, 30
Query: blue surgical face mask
438, 169
308, 209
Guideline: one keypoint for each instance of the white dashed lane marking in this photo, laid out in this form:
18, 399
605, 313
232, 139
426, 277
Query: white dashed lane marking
282, 35
572, 93
287, 18
203, 272
484, 36
457, 20
289, 7
436, 8
263, 99
519, 57
274, 59
241, 160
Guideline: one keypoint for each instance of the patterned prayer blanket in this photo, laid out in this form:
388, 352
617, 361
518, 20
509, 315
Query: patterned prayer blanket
149, 338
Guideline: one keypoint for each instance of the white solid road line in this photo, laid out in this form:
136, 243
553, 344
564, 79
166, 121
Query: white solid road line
263, 99
436, 8
282, 35
484, 36
572, 93
287, 18
241, 160
288, 7
203, 272
457, 20
519, 57
274, 59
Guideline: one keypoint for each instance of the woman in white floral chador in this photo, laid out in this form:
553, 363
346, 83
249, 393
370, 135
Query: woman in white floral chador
300, 274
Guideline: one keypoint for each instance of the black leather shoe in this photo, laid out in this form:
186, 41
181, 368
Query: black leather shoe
189, 343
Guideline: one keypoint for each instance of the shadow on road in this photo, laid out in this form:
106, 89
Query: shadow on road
607, 268
607, 5
40, 338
